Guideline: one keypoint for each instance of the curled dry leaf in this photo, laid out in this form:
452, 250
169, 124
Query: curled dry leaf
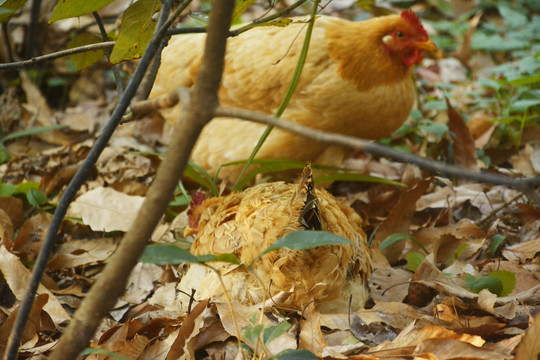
464, 150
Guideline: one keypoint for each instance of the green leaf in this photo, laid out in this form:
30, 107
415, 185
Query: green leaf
354, 177
433, 127
72, 8
32, 131
306, 239
241, 6
275, 165
273, 332
36, 198
414, 259
435, 105
482, 41
9, 8
524, 105
92, 351
201, 177
492, 283
170, 254
496, 242
89, 58
460, 249
526, 80
252, 333
136, 31
229, 258
394, 238
7, 189
508, 281
180, 200
295, 354
512, 19
167, 254
25, 187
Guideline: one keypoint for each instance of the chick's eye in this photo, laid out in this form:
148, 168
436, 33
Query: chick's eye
399, 34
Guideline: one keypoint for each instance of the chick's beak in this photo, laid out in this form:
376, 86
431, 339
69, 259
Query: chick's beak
431, 47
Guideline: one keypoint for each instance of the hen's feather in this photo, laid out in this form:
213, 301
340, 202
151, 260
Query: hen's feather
246, 223
352, 83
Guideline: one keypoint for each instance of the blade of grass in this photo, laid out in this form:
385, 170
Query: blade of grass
32, 131
292, 87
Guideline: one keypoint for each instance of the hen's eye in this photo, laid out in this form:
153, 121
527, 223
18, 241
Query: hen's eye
399, 34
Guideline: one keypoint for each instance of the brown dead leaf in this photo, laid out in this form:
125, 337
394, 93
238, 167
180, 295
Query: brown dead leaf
481, 128
31, 235
6, 230
398, 221
123, 340
529, 348
105, 209
30, 333
447, 349
141, 282
191, 323
37, 105
240, 318
82, 252
18, 277
311, 336
14, 209
389, 284
463, 54
444, 241
464, 150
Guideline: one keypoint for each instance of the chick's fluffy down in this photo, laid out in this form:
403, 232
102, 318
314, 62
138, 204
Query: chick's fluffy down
247, 223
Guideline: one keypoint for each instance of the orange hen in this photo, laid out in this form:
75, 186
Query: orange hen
247, 223
356, 81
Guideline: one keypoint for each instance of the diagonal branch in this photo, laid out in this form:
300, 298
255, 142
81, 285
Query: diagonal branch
524, 185
111, 283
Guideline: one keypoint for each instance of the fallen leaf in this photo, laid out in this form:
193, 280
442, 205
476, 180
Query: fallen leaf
311, 337
464, 150
18, 278
105, 209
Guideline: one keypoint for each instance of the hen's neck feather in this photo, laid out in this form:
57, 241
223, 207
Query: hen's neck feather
357, 48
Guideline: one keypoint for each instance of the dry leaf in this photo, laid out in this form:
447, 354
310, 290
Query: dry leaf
464, 150
311, 336
105, 209
399, 219
18, 277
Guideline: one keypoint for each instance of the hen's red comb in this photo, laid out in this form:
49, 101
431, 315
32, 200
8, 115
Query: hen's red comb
414, 20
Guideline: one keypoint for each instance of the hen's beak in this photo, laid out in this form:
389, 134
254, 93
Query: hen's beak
431, 47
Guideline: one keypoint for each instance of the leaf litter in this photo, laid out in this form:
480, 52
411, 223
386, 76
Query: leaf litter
428, 313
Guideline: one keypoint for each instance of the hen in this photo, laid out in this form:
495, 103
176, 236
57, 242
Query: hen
247, 223
356, 81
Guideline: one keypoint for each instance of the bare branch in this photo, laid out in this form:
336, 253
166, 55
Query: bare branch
112, 281
524, 185
56, 55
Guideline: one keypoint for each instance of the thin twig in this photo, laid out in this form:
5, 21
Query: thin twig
31, 41
56, 55
240, 30
7, 40
115, 71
